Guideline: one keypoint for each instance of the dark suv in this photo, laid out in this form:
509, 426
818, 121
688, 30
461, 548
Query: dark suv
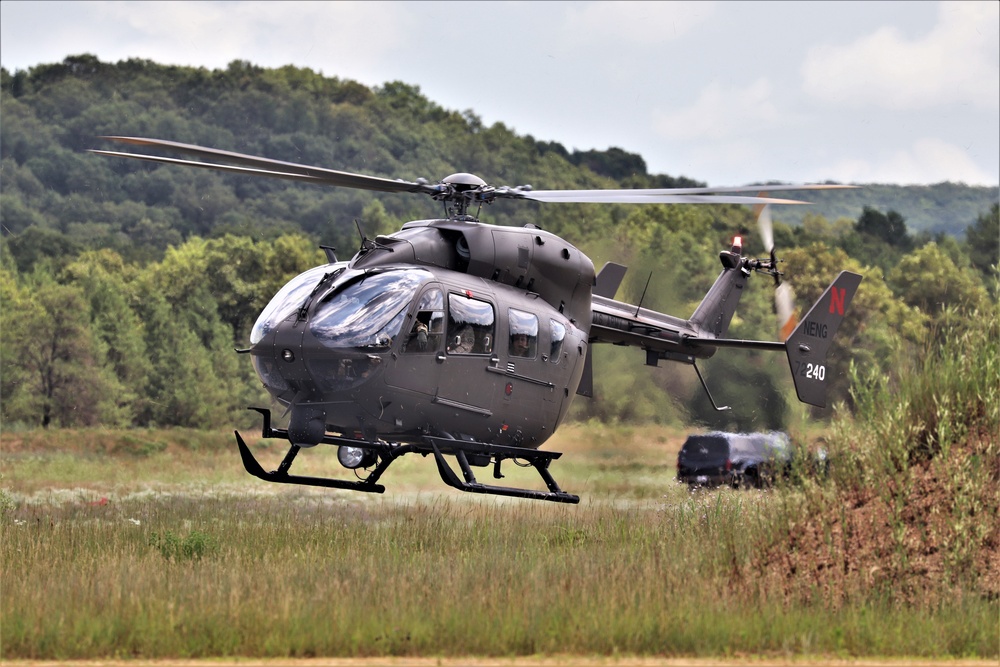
746, 460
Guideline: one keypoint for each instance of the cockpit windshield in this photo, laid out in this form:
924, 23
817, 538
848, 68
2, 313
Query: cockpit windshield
290, 298
369, 312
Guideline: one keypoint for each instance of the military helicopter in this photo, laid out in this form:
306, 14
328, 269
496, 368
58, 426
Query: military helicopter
456, 338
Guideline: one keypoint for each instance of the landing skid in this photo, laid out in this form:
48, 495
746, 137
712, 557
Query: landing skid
388, 452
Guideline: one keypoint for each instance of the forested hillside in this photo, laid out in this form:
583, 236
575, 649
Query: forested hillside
125, 286
942, 208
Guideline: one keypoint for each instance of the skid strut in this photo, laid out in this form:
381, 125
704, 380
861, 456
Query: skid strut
538, 460
387, 453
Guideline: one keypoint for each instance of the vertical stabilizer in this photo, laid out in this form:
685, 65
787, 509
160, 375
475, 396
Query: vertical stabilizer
810, 341
715, 312
609, 279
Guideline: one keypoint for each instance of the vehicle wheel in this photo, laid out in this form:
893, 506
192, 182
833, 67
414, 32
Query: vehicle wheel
750, 480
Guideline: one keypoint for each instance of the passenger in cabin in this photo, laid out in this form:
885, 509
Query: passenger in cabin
463, 341
519, 345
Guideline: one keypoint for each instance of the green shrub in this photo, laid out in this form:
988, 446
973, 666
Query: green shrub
195, 546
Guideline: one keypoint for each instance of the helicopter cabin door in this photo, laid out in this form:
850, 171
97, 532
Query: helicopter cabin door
531, 405
446, 352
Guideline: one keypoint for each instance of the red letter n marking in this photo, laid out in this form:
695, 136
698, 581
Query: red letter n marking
837, 297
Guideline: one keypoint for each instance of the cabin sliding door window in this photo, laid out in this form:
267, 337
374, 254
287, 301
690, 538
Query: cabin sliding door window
471, 325
523, 338
558, 335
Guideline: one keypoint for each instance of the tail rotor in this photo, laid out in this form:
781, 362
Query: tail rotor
784, 296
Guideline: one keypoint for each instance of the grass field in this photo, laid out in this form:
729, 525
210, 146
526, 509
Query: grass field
157, 545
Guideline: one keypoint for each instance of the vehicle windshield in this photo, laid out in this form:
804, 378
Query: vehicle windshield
369, 312
290, 298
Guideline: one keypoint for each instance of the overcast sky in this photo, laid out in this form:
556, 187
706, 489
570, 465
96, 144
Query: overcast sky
726, 93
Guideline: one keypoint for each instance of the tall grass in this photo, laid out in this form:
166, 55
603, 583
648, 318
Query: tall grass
301, 576
940, 395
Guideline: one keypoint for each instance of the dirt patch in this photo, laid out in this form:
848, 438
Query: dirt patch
920, 538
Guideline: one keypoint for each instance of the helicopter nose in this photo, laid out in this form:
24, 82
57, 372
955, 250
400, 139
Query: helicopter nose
279, 361
317, 382
281, 364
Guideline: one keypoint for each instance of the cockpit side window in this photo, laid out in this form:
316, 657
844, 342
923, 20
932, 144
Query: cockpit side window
428, 324
523, 338
471, 325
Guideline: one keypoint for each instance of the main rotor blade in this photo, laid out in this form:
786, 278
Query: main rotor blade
758, 190
773, 187
259, 166
209, 165
642, 197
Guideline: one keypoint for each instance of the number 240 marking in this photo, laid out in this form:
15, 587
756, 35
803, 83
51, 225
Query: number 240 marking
814, 372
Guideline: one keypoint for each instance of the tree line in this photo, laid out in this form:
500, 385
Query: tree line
125, 287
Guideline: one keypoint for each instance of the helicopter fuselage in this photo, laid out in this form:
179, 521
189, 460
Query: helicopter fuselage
410, 335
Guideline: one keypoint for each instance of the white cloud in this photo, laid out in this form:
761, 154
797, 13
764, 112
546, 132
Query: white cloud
336, 37
720, 113
198, 33
958, 61
926, 161
640, 23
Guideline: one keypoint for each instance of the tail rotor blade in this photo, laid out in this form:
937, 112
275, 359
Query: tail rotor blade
784, 305
784, 297
766, 226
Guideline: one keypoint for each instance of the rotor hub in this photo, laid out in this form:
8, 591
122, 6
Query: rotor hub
463, 181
